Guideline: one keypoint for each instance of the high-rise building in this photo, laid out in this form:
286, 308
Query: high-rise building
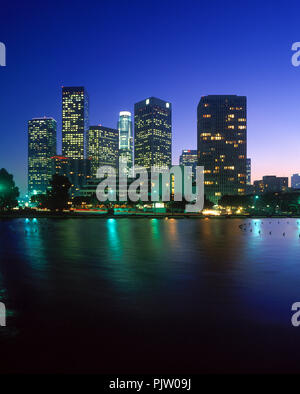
189, 158
76, 170
103, 147
248, 167
74, 121
153, 133
125, 139
41, 147
60, 165
80, 172
295, 181
222, 144
271, 184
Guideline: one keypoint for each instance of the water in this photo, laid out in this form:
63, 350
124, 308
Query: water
142, 295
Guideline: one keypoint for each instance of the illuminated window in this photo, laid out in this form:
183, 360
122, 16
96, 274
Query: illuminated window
229, 168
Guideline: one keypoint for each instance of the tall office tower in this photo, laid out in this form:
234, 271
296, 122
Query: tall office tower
41, 147
125, 139
153, 133
189, 158
222, 144
74, 121
248, 167
295, 181
103, 147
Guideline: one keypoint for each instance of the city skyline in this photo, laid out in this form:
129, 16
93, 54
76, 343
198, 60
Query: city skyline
256, 64
59, 135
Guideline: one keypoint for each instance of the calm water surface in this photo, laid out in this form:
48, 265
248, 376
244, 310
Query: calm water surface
142, 295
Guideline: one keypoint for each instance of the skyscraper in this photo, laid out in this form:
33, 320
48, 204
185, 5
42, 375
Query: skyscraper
222, 144
189, 157
295, 181
152, 133
103, 147
41, 147
74, 121
125, 139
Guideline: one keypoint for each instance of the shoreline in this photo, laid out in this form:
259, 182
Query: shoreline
67, 215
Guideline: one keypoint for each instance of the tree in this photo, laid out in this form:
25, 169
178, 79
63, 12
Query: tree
9, 193
58, 195
235, 201
40, 200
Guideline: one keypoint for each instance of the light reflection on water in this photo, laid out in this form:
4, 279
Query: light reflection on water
212, 287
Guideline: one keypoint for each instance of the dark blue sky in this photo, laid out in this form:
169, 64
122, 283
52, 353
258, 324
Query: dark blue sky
125, 51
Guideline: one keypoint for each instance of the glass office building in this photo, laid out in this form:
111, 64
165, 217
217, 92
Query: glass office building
153, 133
103, 147
189, 158
222, 144
41, 147
125, 140
74, 122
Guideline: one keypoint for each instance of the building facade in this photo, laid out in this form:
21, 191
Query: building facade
248, 172
189, 158
103, 147
41, 147
78, 171
74, 122
295, 181
125, 140
153, 133
271, 184
60, 165
222, 144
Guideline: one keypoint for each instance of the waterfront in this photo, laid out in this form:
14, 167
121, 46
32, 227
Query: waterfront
149, 295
